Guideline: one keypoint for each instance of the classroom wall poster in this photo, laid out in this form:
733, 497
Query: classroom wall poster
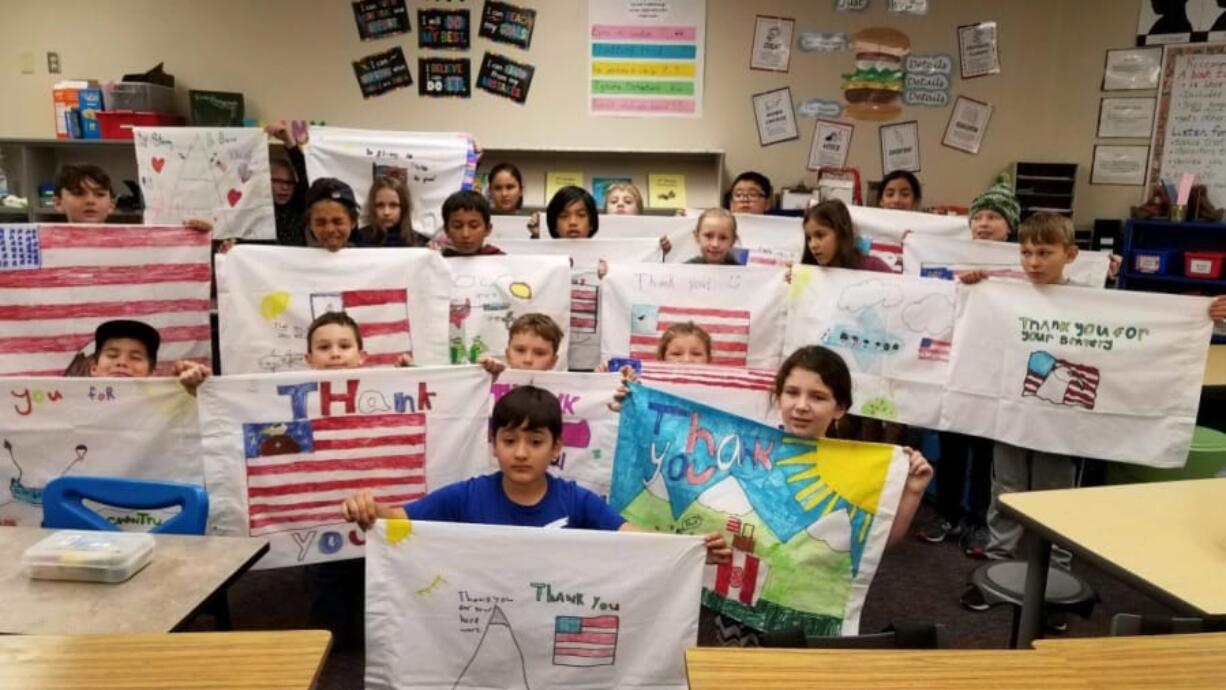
506, 23
431, 164
502, 76
646, 58
1131, 69
380, 18
589, 427
58, 283
640, 301
913, 7
968, 122
216, 174
831, 144
900, 147
1087, 373
978, 52
443, 29
1126, 118
807, 519
283, 451
1120, 165
948, 258
583, 347
927, 80
444, 77
772, 43
895, 333
97, 427
380, 73
774, 117
489, 292
489, 606
400, 299
1188, 131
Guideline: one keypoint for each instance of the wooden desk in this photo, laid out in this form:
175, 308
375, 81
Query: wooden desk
1167, 539
185, 571
1149, 661
282, 659
1215, 366
730, 668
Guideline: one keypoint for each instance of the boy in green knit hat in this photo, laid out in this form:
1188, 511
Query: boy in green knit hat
995, 213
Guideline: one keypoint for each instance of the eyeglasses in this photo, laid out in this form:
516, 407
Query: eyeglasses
748, 196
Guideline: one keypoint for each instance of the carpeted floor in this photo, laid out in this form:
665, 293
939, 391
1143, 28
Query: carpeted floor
917, 582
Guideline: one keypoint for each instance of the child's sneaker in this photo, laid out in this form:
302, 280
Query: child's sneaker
974, 542
935, 530
973, 599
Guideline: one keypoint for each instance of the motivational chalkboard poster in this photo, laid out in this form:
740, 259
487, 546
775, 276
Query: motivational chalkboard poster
380, 18
504, 77
444, 77
443, 29
379, 73
507, 23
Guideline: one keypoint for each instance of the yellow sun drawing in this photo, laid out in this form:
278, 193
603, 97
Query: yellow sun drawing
841, 470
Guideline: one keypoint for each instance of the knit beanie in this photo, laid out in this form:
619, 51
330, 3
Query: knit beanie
1001, 199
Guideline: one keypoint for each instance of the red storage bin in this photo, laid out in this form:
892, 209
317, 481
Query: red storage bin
1207, 265
118, 124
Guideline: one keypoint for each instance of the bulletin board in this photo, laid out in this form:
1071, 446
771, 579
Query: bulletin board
1190, 133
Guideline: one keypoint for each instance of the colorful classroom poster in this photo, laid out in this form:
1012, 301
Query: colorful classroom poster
443, 77
761, 241
439, 29
489, 292
895, 332
557, 179
640, 301
380, 73
741, 391
216, 174
98, 427
267, 297
60, 282
1088, 373
882, 229
432, 164
380, 18
646, 58
807, 519
283, 451
489, 606
502, 76
507, 23
665, 190
583, 349
589, 427
949, 257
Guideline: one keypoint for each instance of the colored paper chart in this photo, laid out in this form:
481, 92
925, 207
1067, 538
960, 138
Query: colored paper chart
646, 59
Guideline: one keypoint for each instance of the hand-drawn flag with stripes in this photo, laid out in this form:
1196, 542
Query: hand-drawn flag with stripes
60, 282
729, 330
579, 641
382, 316
583, 299
299, 472
741, 579
1060, 381
934, 349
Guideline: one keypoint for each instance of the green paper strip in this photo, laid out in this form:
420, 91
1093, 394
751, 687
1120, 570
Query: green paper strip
643, 87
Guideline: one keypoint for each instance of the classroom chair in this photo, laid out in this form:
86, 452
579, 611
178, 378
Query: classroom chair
1004, 582
1206, 459
901, 636
63, 507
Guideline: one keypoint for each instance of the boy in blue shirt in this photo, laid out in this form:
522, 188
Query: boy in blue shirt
526, 434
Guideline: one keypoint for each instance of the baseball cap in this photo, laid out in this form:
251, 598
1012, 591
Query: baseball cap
331, 189
124, 328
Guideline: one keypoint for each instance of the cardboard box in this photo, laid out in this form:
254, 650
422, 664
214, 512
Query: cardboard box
89, 102
64, 97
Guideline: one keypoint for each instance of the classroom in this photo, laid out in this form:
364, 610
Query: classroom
869, 343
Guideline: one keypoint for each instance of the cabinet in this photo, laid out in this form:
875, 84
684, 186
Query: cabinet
1045, 187
1142, 235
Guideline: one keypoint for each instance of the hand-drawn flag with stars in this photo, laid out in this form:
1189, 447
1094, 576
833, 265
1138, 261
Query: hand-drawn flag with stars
299, 472
729, 330
1060, 381
579, 641
60, 282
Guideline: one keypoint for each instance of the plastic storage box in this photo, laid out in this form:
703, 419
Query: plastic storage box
1156, 262
1207, 265
139, 96
88, 556
118, 124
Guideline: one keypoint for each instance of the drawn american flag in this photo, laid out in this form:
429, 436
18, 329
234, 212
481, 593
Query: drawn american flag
299, 472
708, 376
1060, 381
934, 349
583, 300
579, 641
733, 524
382, 315
741, 579
60, 282
729, 329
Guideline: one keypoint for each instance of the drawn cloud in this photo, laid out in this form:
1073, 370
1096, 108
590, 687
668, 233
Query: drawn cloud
870, 293
932, 315
834, 529
726, 497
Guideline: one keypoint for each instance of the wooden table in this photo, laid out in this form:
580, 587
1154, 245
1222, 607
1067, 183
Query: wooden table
184, 573
282, 659
1215, 366
1149, 661
732, 668
1167, 539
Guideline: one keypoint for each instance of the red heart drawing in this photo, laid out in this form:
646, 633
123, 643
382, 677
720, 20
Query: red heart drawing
233, 197
158, 163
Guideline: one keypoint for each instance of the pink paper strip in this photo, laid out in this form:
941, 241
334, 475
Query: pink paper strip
643, 105
649, 33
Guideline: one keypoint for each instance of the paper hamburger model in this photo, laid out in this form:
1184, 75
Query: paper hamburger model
874, 89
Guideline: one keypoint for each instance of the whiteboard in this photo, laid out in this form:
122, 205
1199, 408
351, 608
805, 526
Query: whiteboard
1190, 134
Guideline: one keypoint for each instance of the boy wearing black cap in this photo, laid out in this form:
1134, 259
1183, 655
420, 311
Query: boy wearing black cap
331, 213
125, 348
